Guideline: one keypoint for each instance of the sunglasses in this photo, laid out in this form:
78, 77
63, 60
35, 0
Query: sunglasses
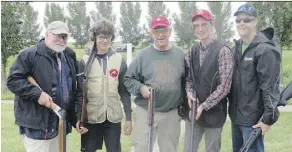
245, 20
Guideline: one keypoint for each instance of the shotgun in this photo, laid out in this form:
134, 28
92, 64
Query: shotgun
85, 74
150, 119
193, 120
61, 113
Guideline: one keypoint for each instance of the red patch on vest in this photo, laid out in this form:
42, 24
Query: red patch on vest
114, 73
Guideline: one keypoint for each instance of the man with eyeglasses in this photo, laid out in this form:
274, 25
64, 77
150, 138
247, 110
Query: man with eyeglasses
52, 65
255, 86
101, 113
159, 66
209, 75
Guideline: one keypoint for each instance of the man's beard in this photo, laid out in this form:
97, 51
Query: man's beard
57, 48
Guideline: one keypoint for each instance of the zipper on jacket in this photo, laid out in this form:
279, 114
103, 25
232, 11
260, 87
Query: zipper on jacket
237, 60
103, 81
46, 134
270, 97
106, 87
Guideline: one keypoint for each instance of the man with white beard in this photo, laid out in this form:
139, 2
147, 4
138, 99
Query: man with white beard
52, 65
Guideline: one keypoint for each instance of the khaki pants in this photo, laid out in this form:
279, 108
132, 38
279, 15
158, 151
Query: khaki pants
166, 128
51, 145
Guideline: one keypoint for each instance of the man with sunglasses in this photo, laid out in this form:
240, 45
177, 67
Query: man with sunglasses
209, 75
53, 66
102, 113
161, 67
255, 86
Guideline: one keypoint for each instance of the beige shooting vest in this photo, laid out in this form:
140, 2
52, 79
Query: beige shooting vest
103, 98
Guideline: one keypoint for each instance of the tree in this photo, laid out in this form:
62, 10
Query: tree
104, 10
12, 39
130, 30
78, 22
31, 29
263, 20
183, 24
54, 12
221, 12
154, 9
279, 16
269, 14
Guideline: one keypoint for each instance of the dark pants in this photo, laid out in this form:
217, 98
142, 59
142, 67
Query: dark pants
107, 131
240, 135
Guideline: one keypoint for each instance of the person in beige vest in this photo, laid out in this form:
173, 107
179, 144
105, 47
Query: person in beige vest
102, 112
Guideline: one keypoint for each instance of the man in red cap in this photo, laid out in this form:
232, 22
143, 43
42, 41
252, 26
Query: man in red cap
161, 67
209, 75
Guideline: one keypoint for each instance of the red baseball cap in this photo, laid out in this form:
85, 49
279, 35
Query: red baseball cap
159, 21
203, 13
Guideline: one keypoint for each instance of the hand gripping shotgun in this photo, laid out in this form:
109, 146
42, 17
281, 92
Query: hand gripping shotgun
61, 113
150, 118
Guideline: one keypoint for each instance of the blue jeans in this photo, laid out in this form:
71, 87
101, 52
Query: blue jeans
240, 135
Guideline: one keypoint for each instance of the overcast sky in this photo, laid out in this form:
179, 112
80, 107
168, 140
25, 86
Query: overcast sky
173, 7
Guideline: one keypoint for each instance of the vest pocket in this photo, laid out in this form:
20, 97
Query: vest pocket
95, 110
114, 109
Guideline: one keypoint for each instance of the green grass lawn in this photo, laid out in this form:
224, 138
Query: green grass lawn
287, 66
12, 141
278, 139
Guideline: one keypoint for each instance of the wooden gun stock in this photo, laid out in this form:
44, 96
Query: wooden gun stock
62, 133
62, 119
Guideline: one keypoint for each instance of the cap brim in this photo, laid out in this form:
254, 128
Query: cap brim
159, 25
59, 32
248, 13
200, 16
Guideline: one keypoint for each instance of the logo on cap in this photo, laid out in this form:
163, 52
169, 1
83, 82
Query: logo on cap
200, 12
203, 13
246, 8
159, 21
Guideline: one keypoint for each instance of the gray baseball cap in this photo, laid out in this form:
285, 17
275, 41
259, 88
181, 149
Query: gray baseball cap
58, 27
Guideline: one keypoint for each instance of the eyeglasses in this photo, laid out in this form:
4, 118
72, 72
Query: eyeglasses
61, 36
203, 25
245, 20
162, 31
104, 37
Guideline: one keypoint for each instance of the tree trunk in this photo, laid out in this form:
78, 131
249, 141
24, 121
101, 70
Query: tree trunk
281, 69
3, 77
